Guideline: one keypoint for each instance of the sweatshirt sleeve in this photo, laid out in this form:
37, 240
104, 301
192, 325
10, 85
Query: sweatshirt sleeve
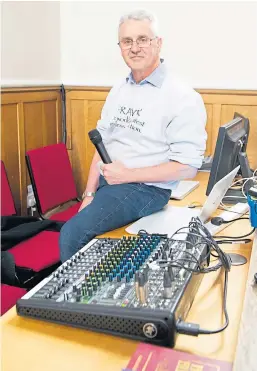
186, 132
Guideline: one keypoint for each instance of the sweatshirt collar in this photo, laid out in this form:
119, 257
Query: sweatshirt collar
156, 78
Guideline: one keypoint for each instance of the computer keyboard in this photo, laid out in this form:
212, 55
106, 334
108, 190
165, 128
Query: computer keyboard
183, 189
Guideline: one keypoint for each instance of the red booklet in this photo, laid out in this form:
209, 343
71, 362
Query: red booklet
153, 358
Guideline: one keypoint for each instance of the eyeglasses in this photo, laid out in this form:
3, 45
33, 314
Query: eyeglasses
142, 42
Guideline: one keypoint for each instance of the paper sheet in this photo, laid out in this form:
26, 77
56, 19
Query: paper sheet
166, 221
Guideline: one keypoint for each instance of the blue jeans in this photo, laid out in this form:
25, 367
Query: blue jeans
112, 207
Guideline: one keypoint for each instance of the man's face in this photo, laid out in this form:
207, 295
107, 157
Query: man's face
139, 58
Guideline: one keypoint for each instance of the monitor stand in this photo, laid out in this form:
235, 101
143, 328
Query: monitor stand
233, 196
237, 259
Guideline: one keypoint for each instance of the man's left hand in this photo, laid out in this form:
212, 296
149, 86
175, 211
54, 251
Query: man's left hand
115, 173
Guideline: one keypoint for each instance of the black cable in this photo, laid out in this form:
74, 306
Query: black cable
194, 329
63, 103
143, 231
205, 332
242, 240
234, 220
237, 237
198, 234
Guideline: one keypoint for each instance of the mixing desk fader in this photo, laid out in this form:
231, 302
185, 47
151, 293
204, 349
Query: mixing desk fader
120, 286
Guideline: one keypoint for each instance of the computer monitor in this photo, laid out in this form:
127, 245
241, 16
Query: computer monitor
230, 152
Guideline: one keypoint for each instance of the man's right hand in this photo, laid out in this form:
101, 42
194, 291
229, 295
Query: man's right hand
85, 202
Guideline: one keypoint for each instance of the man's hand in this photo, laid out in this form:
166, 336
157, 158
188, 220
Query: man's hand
115, 173
85, 202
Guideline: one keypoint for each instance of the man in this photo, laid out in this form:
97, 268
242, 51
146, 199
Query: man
153, 127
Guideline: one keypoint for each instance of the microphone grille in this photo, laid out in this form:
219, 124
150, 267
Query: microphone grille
95, 136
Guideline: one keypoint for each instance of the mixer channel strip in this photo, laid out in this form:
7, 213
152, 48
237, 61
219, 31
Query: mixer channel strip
112, 283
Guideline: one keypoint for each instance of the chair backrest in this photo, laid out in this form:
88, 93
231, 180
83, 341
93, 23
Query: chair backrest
7, 203
51, 176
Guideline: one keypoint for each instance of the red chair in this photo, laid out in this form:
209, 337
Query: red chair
7, 204
39, 254
9, 296
52, 180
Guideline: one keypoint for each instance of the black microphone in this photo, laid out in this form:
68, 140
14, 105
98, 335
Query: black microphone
96, 139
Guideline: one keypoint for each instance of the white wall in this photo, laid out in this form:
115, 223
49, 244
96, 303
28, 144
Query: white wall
30, 43
210, 44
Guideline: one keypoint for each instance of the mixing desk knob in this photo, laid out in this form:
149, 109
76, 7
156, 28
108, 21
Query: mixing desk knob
127, 277
145, 254
130, 273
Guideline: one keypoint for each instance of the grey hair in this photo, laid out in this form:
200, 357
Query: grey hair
142, 15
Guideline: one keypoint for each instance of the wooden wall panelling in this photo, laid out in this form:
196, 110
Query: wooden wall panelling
94, 114
22, 202
10, 142
224, 106
52, 130
79, 114
83, 111
227, 112
31, 118
215, 126
209, 124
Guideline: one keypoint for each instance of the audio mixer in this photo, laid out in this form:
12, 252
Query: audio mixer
123, 287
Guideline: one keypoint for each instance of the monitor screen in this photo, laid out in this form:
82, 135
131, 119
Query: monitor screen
231, 144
